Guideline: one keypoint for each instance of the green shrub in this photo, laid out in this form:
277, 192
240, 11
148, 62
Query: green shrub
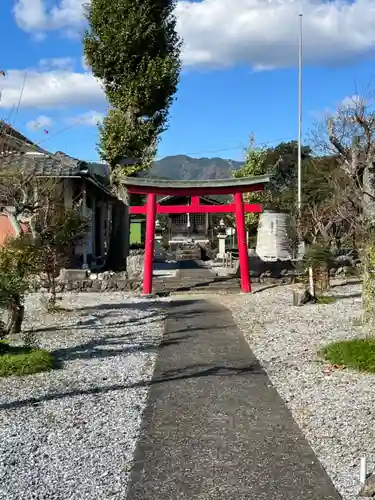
325, 299
18, 264
358, 354
23, 360
317, 257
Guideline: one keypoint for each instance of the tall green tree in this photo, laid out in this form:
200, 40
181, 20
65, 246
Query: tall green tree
133, 48
280, 162
255, 164
283, 161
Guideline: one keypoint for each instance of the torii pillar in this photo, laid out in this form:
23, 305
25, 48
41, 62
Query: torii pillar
242, 244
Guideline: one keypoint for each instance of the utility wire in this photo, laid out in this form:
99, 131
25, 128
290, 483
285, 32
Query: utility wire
20, 98
233, 148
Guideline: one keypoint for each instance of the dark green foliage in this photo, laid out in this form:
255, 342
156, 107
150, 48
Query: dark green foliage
132, 46
282, 162
358, 354
23, 360
318, 176
317, 257
18, 262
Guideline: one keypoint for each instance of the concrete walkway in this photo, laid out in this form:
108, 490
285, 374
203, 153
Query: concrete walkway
215, 428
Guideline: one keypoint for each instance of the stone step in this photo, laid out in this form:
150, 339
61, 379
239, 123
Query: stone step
235, 287
185, 281
207, 290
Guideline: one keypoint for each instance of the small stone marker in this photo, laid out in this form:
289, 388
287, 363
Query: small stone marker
302, 296
368, 489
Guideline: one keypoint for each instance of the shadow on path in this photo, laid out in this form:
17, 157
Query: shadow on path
214, 427
167, 377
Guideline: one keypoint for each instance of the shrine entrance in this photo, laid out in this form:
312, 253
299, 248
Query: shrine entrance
195, 189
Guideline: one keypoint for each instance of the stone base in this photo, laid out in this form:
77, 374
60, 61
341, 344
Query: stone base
104, 282
73, 274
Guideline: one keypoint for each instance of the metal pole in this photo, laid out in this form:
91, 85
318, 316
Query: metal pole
299, 198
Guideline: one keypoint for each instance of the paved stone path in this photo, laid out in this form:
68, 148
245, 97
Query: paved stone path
192, 276
215, 428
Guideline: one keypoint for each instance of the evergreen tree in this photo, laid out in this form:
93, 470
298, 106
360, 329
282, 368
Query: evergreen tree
133, 48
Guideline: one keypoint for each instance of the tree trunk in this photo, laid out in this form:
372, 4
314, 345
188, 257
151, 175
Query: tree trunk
368, 253
368, 284
322, 280
119, 240
369, 194
52, 290
16, 315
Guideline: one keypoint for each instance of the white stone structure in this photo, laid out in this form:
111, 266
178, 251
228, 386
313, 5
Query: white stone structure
273, 242
159, 254
222, 236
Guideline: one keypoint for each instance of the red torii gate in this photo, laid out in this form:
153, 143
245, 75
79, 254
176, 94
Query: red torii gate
195, 189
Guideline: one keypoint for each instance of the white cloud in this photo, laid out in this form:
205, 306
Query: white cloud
256, 32
41, 122
352, 102
85, 64
89, 119
35, 16
50, 89
64, 63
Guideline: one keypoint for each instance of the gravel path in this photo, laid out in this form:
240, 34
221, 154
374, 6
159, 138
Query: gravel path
70, 434
336, 412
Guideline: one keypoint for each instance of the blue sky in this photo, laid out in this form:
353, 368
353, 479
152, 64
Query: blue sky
239, 74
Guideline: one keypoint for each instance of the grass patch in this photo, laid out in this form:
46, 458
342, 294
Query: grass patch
358, 354
325, 299
58, 309
23, 360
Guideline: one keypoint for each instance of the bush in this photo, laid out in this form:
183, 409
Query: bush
18, 263
358, 354
23, 360
325, 299
317, 257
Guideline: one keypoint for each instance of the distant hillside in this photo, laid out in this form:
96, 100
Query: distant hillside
185, 168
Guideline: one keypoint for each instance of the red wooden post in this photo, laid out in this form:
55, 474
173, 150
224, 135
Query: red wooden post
242, 245
149, 243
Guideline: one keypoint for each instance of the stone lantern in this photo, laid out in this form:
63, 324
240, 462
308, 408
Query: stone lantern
159, 230
221, 235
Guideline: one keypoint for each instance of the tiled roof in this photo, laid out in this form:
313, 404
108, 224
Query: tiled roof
51, 165
12, 140
179, 184
40, 164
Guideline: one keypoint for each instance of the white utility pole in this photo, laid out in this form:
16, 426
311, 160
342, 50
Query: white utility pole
299, 198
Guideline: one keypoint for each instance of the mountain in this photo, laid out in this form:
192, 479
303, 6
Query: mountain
183, 167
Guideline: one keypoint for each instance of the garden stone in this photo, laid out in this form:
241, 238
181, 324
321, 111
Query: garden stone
97, 285
121, 284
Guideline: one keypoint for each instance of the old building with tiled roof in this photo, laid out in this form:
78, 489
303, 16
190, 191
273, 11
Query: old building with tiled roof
85, 181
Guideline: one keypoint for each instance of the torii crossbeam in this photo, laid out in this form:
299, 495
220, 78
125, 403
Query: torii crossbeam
195, 189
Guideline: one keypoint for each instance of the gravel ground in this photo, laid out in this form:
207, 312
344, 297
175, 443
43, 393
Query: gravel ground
335, 411
70, 434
